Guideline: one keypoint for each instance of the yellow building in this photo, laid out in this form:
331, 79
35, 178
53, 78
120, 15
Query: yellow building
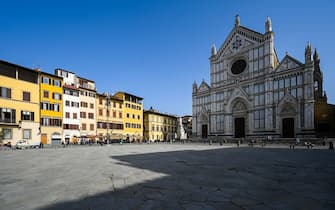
51, 108
87, 99
109, 117
19, 103
133, 119
159, 126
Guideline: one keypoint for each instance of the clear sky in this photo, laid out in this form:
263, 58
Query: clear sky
155, 49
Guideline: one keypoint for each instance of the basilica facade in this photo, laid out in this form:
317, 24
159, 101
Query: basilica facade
254, 94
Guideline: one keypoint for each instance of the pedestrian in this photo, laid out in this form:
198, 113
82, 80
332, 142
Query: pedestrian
297, 141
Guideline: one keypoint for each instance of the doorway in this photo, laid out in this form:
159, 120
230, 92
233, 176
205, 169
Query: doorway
204, 131
239, 127
288, 128
44, 138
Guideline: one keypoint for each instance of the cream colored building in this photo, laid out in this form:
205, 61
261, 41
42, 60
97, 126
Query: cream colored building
159, 126
109, 117
87, 108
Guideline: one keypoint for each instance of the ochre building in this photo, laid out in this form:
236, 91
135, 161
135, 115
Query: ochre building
133, 116
19, 103
51, 108
159, 126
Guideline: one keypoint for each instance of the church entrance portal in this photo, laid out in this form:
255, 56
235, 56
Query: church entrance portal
239, 127
288, 127
204, 132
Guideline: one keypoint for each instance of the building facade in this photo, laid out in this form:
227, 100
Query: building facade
71, 109
87, 108
19, 103
159, 126
133, 116
51, 108
252, 93
109, 116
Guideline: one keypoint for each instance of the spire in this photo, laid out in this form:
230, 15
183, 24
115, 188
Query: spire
316, 56
316, 60
213, 50
195, 87
308, 53
237, 20
268, 25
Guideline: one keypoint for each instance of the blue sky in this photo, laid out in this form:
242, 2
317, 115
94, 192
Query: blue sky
155, 49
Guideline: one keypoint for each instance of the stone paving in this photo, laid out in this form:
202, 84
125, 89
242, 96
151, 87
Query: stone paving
168, 176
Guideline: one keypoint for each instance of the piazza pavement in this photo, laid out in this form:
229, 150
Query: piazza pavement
168, 176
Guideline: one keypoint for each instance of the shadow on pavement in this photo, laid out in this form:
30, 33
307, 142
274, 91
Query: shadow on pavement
229, 178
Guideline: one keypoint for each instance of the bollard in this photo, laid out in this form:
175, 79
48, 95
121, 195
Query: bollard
331, 145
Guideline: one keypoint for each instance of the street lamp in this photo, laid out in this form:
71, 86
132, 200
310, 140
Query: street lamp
108, 103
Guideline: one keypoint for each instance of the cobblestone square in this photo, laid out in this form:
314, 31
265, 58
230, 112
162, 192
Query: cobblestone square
167, 176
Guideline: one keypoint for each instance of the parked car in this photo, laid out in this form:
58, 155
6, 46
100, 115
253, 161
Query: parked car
25, 144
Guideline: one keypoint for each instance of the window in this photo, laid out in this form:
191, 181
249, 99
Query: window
120, 114
127, 115
90, 116
92, 127
114, 104
133, 116
26, 133
114, 114
6, 92
45, 121
74, 104
26, 96
84, 104
57, 83
45, 80
138, 117
100, 101
83, 126
67, 103
82, 114
75, 116
107, 112
127, 125
46, 94
7, 133
100, 112
56, 96
67, 114
238, 66
91, 106
56, 107
120, 106
25, 115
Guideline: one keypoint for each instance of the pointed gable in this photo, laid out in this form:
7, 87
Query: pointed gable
288, 63
204, 87
239, 38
